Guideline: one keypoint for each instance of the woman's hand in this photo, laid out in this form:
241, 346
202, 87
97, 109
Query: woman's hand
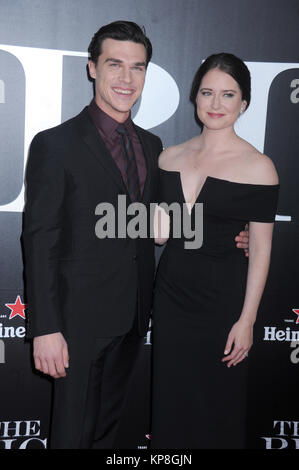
161, 225
238, 343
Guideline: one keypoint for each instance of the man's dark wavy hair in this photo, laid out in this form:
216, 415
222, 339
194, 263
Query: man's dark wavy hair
120, 31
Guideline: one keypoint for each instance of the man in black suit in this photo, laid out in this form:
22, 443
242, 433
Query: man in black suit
89, 298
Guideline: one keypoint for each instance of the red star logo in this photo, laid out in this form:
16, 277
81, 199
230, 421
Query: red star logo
17, 308
296, 310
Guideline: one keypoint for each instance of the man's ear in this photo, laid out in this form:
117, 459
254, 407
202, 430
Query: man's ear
92, 69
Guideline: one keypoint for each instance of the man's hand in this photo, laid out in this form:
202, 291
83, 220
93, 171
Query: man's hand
243, 240
50, 354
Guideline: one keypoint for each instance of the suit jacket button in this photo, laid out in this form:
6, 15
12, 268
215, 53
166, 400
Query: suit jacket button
135, 257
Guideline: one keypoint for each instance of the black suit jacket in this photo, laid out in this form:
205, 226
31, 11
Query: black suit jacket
77, 283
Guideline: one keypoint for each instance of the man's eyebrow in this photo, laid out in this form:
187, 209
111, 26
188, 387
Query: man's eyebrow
111, 59
119, 61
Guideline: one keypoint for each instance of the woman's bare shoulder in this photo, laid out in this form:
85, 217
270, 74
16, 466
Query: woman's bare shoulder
265, 170
261, 168
170, 158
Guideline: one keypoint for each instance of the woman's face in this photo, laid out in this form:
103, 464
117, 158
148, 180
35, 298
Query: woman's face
219, 100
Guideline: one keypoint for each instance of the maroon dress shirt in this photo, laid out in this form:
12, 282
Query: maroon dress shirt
106, 127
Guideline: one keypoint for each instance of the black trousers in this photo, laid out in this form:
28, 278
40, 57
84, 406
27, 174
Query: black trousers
88, 402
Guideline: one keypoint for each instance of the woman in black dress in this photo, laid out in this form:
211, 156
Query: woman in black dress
206, 299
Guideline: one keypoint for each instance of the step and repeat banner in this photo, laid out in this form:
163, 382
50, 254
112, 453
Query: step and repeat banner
43, 81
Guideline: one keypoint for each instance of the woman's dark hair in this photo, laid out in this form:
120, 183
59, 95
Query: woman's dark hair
121, 31
230, 64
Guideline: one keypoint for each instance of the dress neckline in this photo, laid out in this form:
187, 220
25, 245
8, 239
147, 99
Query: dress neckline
221, 180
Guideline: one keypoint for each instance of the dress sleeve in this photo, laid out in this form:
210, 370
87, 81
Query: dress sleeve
259, 203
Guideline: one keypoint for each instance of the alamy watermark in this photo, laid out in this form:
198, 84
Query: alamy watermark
145, 220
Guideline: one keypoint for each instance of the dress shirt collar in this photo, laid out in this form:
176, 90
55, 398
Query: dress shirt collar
105, 123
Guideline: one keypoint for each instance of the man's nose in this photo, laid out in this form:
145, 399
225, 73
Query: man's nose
125, 75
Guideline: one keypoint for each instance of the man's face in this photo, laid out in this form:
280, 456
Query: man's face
119, 77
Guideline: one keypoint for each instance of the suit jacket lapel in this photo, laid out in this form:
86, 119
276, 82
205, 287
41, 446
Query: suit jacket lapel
98, 149
148, 160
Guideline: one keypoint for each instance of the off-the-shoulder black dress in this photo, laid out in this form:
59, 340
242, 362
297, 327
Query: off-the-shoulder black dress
198, 402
